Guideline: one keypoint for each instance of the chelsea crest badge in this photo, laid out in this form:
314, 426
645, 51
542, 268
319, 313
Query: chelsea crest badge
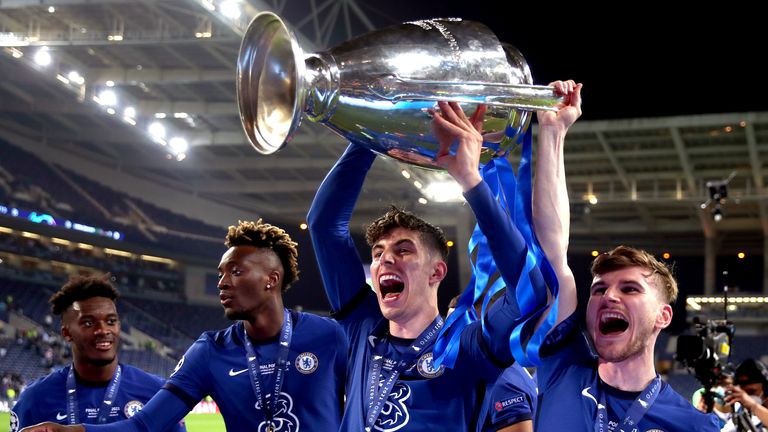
306, 363
426, 366
132, 408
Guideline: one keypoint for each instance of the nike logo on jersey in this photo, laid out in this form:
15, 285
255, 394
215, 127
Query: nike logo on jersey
232, 372
586, 393
372, 340
60, 416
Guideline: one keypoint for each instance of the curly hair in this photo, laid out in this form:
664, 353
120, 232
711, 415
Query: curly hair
264, 235
82, 288
623, 257
398, 218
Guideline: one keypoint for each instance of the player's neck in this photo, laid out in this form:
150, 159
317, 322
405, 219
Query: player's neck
633, 374
412, 327
266, 323
92, 373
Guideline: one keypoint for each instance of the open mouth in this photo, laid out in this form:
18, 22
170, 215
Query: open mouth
104, 345
390, 286
612, 323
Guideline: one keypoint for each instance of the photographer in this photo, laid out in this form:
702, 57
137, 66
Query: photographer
750, 383
715, 401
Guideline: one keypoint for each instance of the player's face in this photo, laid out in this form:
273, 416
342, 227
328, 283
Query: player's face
244, 272
625, 313
405, 274
92, 327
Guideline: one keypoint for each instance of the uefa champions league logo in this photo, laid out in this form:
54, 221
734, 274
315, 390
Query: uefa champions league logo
14, 422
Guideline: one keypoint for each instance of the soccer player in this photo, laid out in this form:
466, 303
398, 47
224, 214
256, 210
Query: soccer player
274, 369
392, 382
603, 379
96, 388
510, 402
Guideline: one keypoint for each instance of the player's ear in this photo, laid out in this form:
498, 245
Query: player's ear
65, 334
439, 270
664, 317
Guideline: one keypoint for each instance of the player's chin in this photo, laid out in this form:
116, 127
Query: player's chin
103, 359
234, 314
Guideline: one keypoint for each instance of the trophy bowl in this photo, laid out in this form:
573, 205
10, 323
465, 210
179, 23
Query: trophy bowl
375, 89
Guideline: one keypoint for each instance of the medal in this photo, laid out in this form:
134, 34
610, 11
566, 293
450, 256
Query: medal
280, 367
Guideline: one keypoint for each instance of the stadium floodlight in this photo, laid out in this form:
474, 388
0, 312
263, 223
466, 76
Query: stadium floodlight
230, 9
157, 130
43, 57
178, 145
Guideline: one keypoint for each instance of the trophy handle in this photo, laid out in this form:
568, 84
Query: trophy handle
520, 96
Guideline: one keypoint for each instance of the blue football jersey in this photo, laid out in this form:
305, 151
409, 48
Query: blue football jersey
313, 385
570, 389
46, 398
510, 400
423, 398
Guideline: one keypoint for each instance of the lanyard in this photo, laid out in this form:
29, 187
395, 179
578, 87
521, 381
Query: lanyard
106, 405
636, 411
377, 396
280, 366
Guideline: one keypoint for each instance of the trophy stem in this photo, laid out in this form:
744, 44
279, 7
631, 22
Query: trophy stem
321, 78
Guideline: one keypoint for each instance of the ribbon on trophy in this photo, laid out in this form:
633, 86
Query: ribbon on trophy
515, 198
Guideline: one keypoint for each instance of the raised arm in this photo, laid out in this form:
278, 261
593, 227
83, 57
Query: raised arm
551, 208
328, 220
507, 245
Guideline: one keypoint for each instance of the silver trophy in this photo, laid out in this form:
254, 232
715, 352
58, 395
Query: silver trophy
375, 89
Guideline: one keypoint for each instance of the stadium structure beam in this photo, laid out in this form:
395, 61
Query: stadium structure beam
685, 160
160, 75
16, 4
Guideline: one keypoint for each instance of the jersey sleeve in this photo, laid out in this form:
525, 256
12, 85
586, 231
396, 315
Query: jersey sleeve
509, 403
22, 414
180, 426
190, 381
564, 346
162, 413
509, 252
340, 265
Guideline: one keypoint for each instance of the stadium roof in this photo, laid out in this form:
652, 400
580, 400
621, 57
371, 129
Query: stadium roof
670, 104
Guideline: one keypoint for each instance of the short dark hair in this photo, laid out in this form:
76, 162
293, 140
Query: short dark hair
751, 371
82, 288
624, 257
398, 218
266, 236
